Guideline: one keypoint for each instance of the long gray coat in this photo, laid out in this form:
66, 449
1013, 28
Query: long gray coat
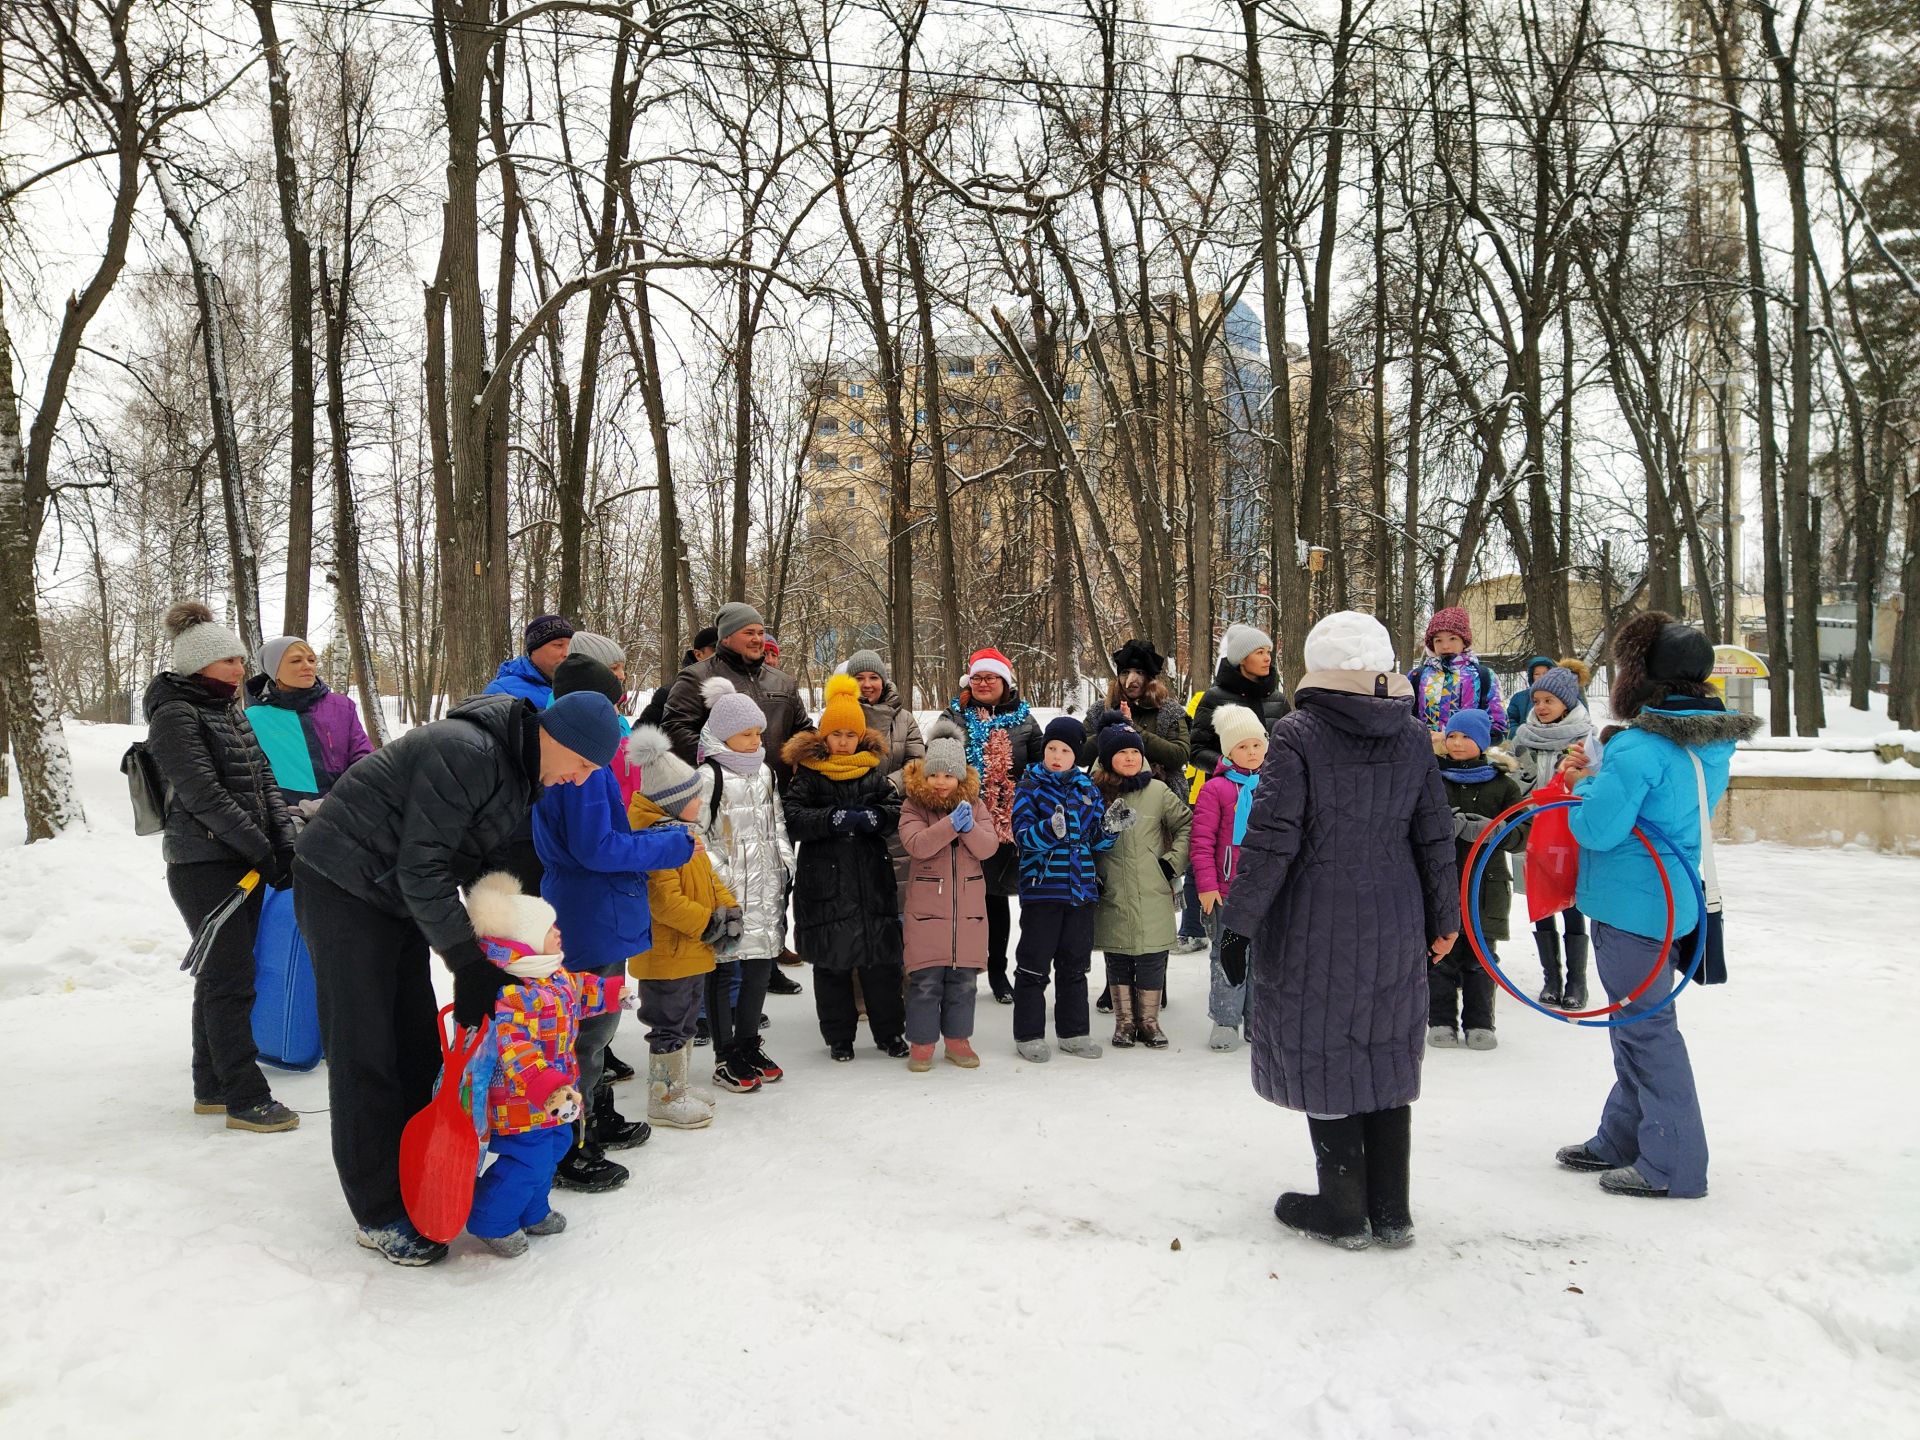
1346, 874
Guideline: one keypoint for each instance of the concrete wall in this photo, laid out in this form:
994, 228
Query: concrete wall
1879, 813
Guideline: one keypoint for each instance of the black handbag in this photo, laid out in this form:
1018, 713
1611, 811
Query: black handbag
1713, 960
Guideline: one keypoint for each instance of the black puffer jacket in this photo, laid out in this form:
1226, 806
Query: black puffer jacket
1264, 697
846, 906
223, 803
417, 819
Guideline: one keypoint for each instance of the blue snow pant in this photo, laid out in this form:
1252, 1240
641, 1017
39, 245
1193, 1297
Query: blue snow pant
1652, 1118
1226, 1004
512, 1194
1193, 920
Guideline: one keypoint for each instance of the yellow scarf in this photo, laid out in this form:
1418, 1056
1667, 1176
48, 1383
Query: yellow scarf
845, 767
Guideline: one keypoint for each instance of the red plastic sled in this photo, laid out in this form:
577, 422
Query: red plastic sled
439, 1152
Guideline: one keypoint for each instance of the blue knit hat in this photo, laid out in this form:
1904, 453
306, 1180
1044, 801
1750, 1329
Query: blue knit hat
1117, 735
1476, 725
1068, 731
1563, 685
586, 723
545, 629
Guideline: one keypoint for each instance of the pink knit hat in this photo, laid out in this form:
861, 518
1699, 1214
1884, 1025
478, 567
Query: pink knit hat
1452, 618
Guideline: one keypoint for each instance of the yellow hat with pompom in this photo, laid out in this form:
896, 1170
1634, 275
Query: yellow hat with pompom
842, 710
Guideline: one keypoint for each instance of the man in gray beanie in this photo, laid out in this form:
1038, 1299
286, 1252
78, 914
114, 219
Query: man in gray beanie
741, 660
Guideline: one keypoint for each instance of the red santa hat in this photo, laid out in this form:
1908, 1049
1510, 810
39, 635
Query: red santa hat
990, 662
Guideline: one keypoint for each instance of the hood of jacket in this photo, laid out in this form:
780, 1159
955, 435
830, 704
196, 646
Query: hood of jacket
167, 687
811, 745
913, 780
1228, 677
1359, 714
1696, 723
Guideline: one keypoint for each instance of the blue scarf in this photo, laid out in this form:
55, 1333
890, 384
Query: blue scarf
1248, 781
1461, 773
977, 729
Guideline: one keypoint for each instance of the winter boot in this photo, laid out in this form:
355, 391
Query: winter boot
668, 1102
269, 1117
736, 1074
1574, 996
1579, 1157
553, 1224
754, 1053
507, 1247
895, 1045
998, 983
1547, 942
1443, 1037
920, 1059
1147, 1027
615, 1069
586, 1168
611, 1130
1081, 1046
1388, 1135
1037, 1051
702, 1032
1104, 1002
1338, 1214
778, 984
961, 1053
1224, 1037
1482, 1040
1628, 1180
840, 1052
400, 1243
1122, 1016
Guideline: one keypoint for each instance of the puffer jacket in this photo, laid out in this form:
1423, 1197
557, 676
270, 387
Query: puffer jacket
405, 828
1263, 697
596, 867
1054, 868
890, 716
846, 904
772, 689
535, 1025
945, 905
1487, 798
1165, 732
683, 901
1139, 874
521, 678
1215, 855
222, 802
753, 857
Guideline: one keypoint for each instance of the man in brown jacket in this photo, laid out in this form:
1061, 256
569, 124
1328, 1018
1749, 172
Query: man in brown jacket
741, 660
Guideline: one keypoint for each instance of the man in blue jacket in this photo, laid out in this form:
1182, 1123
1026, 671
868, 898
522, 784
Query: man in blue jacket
595, 877
530, 676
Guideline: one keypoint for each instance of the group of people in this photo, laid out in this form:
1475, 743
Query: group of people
554, 853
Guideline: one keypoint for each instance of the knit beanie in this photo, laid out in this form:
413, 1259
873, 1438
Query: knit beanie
1452, 618
665, 778
1117, 735
945, 756
586, 723
1139, 655
990, 662
545, 629
1234, 723
1068, 731
597, 647
729, 712
268, 657
867, 660
198, 639
1563, 685
773, 648
500, 910
734, 616
842, 710
579, 672
1241, 641
1349, 640
1680, 655
1476, 725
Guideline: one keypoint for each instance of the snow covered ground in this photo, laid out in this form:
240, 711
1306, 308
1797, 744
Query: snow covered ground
860, 1251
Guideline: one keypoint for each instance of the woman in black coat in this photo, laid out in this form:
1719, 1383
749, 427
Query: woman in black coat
224, 818
1246, 676
846, 907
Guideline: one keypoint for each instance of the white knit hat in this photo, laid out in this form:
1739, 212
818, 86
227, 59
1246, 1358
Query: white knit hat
1234, 723
1350, 640
199, 640
499, 908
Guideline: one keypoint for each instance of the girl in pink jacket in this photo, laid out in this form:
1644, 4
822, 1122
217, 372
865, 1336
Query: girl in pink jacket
1219, 824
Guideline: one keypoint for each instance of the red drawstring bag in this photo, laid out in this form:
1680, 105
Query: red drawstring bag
1553, 856
439, 1151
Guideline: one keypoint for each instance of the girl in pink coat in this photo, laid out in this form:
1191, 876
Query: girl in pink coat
1219, 824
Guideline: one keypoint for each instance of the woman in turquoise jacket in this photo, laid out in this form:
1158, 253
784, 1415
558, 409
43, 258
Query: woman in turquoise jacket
1651, 1141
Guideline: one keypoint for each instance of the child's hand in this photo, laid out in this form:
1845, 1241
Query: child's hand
1442, 947
962, 817
1208, 899
563, 1106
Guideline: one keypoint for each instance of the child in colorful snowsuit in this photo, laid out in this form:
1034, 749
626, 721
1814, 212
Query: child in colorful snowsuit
692, 915
1556, 721
752, 861
1134, 923
1452, 678
846, 910
533, 1099
1480, 785
945, 905
1219, 825
1060, 824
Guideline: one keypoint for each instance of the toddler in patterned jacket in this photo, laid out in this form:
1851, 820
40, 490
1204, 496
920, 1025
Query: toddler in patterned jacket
533, 1100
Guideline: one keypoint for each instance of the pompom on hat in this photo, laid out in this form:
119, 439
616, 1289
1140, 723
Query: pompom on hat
500, 910
665, 778
842, 710
1350, 640
729, 712
199, 640
1234, 724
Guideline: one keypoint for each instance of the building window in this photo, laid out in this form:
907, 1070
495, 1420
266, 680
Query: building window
856, 427
856, 462
953, 447
993, 367
826, 462
920, 415
826, 425
856, 391
1070, 392
960, 365
1073, 432
1510, 612
921, 452
819, 499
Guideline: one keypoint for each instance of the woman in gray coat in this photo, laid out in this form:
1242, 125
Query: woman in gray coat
1346, 889
887, 713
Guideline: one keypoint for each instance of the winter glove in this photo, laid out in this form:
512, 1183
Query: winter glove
843, 821
1120, 819
477, 983
1059, 822
735, 921
716, 930
962, 817
278, 871
1233, 957
866, 822
1467, 826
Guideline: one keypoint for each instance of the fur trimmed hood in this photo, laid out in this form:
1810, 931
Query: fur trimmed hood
811, 745
1696, 728
913, 780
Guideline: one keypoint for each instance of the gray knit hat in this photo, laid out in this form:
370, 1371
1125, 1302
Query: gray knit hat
945, 756
598, 647
199, 640
665, 778
1241, 641
267, 659
1563, 685
729, 712
736, 615
867, 660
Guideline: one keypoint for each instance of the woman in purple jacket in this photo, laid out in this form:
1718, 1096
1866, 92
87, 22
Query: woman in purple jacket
311, 735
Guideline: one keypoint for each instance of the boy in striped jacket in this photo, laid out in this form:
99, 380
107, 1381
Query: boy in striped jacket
1060, 824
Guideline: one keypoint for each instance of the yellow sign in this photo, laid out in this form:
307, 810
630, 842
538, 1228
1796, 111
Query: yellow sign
1731, 662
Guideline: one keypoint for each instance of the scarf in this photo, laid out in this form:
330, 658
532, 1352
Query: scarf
979, 730
1466, 772
740, 762
843, 767
990, 751
1561, 734
1247, 782
517, 960
298, 701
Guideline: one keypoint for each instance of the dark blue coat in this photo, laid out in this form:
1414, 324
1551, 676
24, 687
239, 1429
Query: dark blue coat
1346, 873
596, 869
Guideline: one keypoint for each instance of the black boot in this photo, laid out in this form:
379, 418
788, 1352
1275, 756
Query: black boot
998, 983
611, 1130
778, 984
614, 1068
1547, 942
1338, 1214
1574, 997
1389, 1135
586, 1168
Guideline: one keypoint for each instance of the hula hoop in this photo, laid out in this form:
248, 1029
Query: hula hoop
1606, 1018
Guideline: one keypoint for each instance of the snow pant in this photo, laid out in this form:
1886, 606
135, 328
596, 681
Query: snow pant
511, 1193
940, 1002
1059, 938
590, 1045
1226, 1003
225, 1067
1652, 1118
999, 932
734, 1019
670, 1010
839, 1017
1140, 972
1193, 921
1460, 992
378, 1022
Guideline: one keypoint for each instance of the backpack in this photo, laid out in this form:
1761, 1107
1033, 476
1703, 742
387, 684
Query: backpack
147, 789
